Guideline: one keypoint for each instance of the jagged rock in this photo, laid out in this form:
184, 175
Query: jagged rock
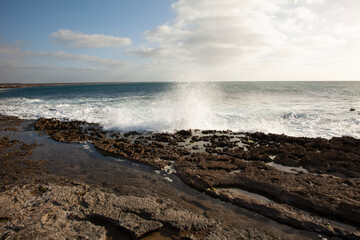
222, 163
184, 133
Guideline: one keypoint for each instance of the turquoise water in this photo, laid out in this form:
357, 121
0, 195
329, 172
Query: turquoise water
295, 108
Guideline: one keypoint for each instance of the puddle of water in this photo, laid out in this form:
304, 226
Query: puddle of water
287, 169
249, 194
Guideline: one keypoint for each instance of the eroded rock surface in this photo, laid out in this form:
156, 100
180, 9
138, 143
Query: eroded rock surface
328, 185
72, 210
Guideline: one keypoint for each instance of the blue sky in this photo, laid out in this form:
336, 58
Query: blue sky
179, 40
33, 21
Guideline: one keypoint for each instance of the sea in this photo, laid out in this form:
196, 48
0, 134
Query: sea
309, 109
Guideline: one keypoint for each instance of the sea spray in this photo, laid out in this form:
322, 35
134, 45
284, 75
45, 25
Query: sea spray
314, 109
182, 106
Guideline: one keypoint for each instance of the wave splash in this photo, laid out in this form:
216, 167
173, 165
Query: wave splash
293, 109
183, 106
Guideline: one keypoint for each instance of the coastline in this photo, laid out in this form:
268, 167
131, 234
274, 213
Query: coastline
24, 85
215, 163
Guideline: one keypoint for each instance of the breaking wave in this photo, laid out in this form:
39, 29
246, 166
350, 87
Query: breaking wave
276, 108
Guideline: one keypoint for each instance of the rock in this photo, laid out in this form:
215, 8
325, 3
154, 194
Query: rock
80, 211
285, 214
162, 137
136, 225
196, 147
223, 164
208, 131
184, 133
37, 217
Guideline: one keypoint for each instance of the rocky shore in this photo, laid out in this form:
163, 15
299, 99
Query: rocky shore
307, 183
36, 204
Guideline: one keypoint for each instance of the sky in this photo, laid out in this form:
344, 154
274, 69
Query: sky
44, 41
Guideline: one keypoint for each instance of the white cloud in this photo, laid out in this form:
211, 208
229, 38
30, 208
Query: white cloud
305, 14
216, 31
79, 57
318, 42
19, 65
13, 56
348, 31
82, 40
308, 2
243, 39
221, 40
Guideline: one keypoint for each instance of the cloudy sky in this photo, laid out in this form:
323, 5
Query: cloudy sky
184, 40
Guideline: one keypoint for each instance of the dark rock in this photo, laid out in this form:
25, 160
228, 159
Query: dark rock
222, 164
162, 137
208, 131
184, 133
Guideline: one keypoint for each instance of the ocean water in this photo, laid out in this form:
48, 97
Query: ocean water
312, 109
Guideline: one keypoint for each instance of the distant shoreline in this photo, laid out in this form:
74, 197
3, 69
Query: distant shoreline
25, 85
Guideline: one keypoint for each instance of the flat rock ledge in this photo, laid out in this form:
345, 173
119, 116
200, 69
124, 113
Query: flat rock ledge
80, 211
304, 177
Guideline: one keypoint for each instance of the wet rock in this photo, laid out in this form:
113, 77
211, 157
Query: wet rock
196, 147
13, 162
337, 155
184, 133
131, 133
208, 131
162, 137
243, 164
221, 141
173, 143
195, 138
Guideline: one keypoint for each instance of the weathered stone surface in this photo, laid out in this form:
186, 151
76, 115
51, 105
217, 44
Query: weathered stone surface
322, 194
137, 225
240, 160
232, 233
339, 155
286, 214
43, 206
150, 208
70, 211
29, 215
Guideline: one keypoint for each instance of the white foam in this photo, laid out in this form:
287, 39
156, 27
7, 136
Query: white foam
202, 106
182, 107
